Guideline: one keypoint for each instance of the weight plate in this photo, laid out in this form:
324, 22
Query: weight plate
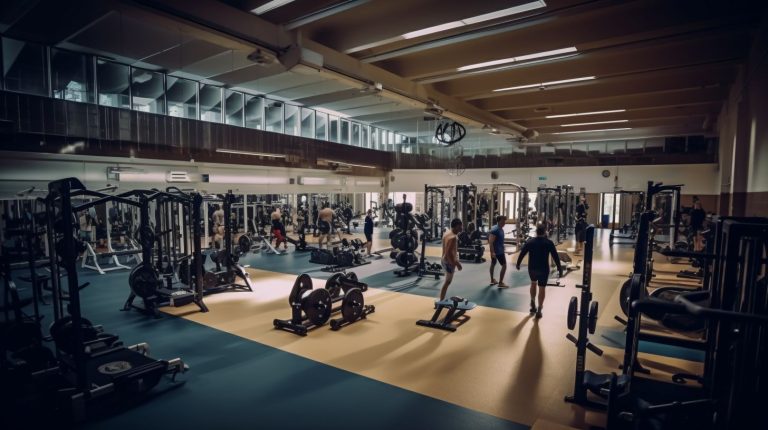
352, 276
146, 236
210, 280
244, 244
573, 306
333, 285
303, 282
624, 296
144, 280
353, 305
592, 324
317, 306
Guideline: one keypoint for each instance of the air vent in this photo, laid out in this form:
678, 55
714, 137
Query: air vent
177, 177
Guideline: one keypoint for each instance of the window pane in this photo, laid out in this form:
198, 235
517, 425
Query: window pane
307, 122
292, 122
113, 83
274, 116
374, 138
24, 67
210, 103
181, 96
234, 105
71, 76
355, 135
254, 112
147, 91
333, 128
321, 125
344, 132
364, 137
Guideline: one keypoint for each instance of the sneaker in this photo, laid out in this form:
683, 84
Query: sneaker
494, 282
503, 285
538, 314
533, 307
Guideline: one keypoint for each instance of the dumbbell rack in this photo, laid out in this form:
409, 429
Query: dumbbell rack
311, 309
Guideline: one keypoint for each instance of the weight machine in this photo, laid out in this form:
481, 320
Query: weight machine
627, 233
438, 201
549, 211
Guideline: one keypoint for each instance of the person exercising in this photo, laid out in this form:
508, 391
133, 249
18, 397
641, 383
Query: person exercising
278, 230
450, 257
540, 248
368, 231
697, 225
324, 221
218, 225
496, 244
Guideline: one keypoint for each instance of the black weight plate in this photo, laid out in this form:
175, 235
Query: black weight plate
210, 280
345, 259
624, 296
333, 285
592, 324
244, 244
402, 259
352, 276
317, 305
144, 281
394, 233
573, 306
303, 282
411, 244
353, 305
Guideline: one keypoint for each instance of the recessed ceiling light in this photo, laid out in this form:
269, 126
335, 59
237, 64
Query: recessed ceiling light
268, 6
585, 113
544, 84
593, 123
592, 131
518, 59
255, 154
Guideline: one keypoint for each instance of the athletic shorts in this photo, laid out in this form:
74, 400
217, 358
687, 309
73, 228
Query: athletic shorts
500, 258
449, 268
540, 277
278, 235
369, 237
324, 227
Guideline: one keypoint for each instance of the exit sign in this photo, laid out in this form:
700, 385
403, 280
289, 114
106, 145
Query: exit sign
542, 178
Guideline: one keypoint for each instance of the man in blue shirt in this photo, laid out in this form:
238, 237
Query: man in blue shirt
496, 244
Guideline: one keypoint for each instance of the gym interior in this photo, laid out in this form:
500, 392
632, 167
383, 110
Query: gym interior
291, 214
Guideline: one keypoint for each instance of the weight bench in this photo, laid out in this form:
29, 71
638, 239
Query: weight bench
456, 306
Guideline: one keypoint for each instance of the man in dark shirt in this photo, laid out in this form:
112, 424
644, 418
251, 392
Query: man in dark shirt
368, 231
540, 248
496, 243
581, 223
697, 225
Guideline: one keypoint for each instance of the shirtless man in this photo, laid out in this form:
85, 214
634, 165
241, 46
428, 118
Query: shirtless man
324, 223
450, 254
218, 225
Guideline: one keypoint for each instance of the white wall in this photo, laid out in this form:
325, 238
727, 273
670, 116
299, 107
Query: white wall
697, 178
19, 171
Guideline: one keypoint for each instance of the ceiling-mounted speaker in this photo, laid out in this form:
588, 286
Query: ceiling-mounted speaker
494, 175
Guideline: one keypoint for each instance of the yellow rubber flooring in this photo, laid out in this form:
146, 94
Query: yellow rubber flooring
501, 362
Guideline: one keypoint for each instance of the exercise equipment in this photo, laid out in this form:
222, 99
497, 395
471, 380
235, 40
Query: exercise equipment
470, 246
627, 233
456, 308
311, 309
93, 367
586, 316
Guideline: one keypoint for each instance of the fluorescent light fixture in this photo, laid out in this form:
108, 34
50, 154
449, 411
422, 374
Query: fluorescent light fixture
344, 163
268, 6
319, 181
594, 123
585, 113
544, 84
331, 112
255, 154
142, 177
250, 180
518, 59
368, 183
434, 29
475, 19
593, 131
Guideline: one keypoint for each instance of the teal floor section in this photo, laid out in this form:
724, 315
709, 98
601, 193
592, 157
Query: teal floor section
237, 383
